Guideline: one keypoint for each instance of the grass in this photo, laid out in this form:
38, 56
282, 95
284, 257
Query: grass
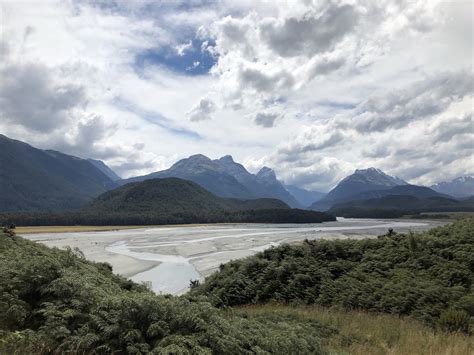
366, 333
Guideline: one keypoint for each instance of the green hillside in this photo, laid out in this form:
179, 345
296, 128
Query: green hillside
169, 201
45, 180
171, 195
393, 206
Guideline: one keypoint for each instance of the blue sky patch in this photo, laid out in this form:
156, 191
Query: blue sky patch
187, 58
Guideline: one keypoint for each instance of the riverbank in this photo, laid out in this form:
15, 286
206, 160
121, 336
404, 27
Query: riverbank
196, 251
73, 229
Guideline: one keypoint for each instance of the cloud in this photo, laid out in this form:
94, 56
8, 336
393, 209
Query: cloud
261, 81
181, 49
313, 89
311, 34
265, 119
315, 138
425, 98
202, 111
32, 97
454, 127
325, 66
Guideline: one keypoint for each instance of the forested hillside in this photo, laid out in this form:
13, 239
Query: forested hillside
171, 195
169, 201
394, 206
46, 180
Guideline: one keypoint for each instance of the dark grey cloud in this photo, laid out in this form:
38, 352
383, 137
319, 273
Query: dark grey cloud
51, 112
261, 82
311, 34
30, 97
202, 111
266, 120
453, 128
310, 142
425, 98
326, 66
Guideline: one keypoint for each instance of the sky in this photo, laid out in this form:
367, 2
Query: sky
312, 89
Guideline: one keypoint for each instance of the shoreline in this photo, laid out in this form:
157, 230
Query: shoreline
78, 229
20, 230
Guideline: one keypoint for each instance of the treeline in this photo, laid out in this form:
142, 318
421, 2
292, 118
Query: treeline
426, 275
395, 206
157, 218
361, 212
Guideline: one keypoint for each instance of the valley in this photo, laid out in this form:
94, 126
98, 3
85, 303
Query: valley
236, 177
169, 257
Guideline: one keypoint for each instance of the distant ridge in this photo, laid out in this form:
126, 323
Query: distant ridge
361, 181
392, 206
225, 178
32, 179
99, 164
303, 196
171, 195
170, 201
462, 186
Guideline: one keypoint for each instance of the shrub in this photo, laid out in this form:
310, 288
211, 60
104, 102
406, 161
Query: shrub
454, 320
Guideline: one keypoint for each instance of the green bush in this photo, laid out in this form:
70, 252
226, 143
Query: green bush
420, 274
55, 301
454, 320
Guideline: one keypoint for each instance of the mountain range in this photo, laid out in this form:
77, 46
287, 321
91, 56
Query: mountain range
355, 185
171, 196
225, 178
392, 206
33, 179
168, 201
367, 192
462, 186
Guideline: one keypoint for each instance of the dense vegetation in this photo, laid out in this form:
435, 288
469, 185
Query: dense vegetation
171, 196
134, 219
394, 206
169, 201
54, 301
363, 333
425, 275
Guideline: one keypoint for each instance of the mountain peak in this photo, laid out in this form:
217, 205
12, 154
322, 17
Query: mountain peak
227, 159
377, 176
368, 170
462, 186
266, 173
198, 157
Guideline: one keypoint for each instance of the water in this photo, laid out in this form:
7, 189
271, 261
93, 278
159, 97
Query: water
173, 275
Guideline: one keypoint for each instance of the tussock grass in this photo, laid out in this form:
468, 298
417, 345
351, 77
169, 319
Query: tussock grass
361, 333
